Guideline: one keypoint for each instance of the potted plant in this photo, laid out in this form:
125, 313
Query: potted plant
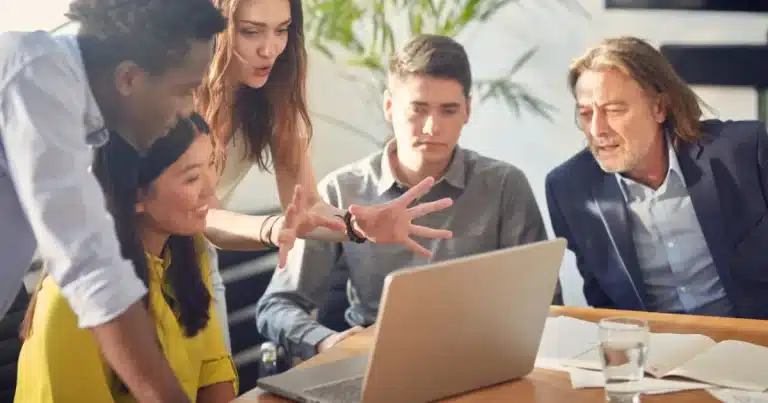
363, 36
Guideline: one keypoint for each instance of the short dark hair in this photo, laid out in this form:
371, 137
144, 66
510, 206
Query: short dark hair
435, 56
154, 34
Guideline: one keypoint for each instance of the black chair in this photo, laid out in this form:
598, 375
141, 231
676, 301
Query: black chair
246, 276
10, 345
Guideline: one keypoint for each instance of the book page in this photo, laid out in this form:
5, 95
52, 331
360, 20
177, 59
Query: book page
564, 337
730, 363
589, 359
666, 351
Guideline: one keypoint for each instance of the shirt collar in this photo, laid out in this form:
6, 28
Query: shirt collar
158, 265
95, 128
455, 175
672, 168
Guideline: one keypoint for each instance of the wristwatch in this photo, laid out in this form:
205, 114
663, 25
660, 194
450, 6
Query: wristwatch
347, 217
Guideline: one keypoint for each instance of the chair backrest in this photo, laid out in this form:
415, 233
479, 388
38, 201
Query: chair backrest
10, 345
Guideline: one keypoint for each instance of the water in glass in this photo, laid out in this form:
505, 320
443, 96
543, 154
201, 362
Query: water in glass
623, 351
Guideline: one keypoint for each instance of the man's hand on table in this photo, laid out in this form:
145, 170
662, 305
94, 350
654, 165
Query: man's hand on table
334, 339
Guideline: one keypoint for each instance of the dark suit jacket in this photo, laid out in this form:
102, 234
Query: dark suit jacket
727, 177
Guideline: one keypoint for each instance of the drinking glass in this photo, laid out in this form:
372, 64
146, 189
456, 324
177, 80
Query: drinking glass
623, 352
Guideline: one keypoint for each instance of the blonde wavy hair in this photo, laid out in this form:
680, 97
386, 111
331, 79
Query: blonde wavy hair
651, 70
274, 119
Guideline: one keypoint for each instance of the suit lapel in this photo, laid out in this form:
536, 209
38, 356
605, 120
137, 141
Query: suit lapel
700, 181
613, 209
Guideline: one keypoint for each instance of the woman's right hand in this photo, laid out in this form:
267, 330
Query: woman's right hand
299, 220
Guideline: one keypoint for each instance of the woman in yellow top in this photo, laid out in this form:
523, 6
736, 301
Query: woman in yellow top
159, 202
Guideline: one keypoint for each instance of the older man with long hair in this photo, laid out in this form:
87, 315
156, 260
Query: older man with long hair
664, 211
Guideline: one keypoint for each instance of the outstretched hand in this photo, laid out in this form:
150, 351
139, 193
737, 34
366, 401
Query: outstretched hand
391, 222
299, 220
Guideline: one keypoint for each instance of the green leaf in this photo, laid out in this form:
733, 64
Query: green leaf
369, 62
493, 8
416, 22
522, 61
468, 12
323, 49
361, 33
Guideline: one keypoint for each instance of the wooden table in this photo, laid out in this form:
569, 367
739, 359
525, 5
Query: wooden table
547, 386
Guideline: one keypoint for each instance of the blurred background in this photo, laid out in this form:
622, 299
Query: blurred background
522, 111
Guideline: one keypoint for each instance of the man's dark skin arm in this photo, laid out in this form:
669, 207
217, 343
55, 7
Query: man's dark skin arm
130, 346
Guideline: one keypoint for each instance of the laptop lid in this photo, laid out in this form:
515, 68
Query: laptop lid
454, 326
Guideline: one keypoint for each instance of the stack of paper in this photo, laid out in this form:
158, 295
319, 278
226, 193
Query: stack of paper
739, 396
564, 338
572, 345
730, 363
581, 378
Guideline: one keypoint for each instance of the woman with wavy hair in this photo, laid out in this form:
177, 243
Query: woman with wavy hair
254, 97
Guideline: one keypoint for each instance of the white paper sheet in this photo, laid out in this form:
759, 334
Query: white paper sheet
563, 338
584, 378
739, 396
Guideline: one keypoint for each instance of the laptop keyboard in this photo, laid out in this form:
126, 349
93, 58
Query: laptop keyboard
346, 391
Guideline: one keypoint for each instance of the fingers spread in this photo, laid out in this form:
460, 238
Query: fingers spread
417, 191
330, 223
416, 248
431, 207
298, 198
426, 232
290, 216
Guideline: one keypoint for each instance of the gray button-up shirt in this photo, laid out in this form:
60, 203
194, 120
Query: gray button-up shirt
493, 208
677, 267
49, 200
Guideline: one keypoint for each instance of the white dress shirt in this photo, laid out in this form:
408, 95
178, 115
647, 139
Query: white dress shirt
49, 200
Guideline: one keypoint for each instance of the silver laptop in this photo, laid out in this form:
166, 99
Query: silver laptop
443, 329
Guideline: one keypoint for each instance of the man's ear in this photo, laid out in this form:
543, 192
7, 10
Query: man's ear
128, 76
387, 105
469, 109
660, 108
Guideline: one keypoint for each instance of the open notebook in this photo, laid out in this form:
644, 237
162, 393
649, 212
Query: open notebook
730, 363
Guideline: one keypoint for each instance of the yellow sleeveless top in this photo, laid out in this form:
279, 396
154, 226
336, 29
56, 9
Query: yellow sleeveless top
60, 362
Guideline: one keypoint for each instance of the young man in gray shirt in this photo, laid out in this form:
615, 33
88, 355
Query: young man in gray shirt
428, 104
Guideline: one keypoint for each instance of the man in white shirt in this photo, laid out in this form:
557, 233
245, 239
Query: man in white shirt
131, 68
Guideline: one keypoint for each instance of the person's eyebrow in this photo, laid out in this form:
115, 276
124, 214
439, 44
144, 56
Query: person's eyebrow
260, 24
191, 167
601, 105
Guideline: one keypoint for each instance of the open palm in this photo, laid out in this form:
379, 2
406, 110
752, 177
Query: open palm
391, 222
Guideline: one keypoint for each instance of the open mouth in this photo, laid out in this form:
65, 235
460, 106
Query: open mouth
262, 71
608, 149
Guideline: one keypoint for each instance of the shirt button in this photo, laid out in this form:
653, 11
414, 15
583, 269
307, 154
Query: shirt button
670, 244
683, 289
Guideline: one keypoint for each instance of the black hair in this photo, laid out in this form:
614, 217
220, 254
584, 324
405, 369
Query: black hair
122, 172
154, 34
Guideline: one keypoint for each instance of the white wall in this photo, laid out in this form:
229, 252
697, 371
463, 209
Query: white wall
31, 15
531, 143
